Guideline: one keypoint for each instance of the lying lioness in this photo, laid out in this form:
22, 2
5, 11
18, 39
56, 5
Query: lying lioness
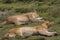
27, 31
22, 19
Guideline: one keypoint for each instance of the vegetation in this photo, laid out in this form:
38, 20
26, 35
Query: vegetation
49, 9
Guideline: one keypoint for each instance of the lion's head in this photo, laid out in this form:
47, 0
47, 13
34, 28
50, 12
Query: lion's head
33, 16
47, 24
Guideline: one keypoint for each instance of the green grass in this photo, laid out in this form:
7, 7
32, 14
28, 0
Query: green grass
47, 10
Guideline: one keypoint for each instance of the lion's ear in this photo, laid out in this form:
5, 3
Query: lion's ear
52, 22
45, 21
32, 15
29, 15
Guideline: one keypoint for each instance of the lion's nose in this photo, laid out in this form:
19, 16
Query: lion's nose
56, 34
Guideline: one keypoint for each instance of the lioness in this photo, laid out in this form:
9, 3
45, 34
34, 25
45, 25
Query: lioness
27, 31
22, 19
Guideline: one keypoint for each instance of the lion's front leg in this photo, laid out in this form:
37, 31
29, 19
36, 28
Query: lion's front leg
47, 33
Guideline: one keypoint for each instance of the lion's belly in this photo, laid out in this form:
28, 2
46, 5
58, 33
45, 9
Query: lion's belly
22, 19
28, 31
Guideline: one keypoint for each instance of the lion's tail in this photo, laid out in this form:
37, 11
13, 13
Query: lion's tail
4, 37
3, 23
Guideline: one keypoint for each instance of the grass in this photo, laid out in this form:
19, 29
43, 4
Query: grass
50, 12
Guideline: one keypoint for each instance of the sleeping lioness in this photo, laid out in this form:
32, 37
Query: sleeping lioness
22, 19
27, 31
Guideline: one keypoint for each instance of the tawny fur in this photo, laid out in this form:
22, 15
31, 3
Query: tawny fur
27, 31
22, 19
